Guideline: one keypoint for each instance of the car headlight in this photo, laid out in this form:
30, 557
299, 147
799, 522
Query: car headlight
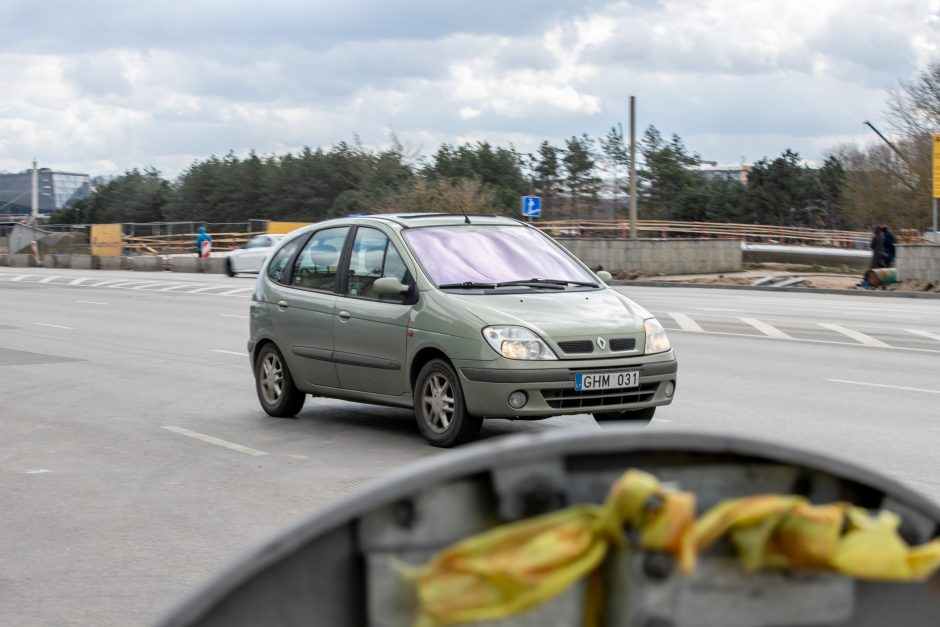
656, 339
517, 343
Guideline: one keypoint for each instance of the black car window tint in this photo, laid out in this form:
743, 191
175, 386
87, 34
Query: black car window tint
317, 263
279, 265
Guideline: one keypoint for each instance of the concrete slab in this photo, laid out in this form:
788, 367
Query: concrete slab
146, 264
113, 263
185, 264
83, 262
21, 261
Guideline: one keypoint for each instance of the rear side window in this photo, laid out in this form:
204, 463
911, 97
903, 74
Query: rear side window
279, 265
317, 263
374, 257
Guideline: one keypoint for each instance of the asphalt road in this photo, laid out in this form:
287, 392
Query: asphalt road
136, 460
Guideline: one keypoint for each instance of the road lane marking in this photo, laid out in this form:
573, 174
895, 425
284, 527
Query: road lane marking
217, 441
219, 350
179, 285
861, 338
884, 385
54, 326
100, 283
38, 471
685, 323
233, 316
766, 329
125, 285
49, 279
933, 336
236, 291
144, 286
19, 277
91, 302
78, 281
206, 289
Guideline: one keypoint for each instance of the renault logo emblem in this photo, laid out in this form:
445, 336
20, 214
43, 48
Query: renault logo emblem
601, 343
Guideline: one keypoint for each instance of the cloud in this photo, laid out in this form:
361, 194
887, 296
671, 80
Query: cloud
107, 83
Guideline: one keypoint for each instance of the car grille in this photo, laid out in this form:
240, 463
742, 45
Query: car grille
623, 344
574, 347
569, 398
577, 346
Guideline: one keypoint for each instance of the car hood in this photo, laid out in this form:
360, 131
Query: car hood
556, 314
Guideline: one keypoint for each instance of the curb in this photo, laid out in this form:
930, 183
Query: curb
802, 290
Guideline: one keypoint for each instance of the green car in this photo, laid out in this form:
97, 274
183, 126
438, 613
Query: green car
459, 317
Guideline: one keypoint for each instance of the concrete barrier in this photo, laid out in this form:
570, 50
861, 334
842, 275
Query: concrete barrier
214, 265
145, 264
21, 260
56, 260
658, 256
113, 263
4, 260
83, 262
918, 262
185, 264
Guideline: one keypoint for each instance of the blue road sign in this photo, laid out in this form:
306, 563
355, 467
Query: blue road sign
532, 206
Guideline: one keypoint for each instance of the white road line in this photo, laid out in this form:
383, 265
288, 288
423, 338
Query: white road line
861, 338
218, 442
54, 326
249, 290
206, 289
40, 471
124, 285
49, 279
100, 283
144, 286
233, 316
685, 323
883, 385
77, 281
91, 302
179, 285
933, 336
19, 277
219, 350
766, 329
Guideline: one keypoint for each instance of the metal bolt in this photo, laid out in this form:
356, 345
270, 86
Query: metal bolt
657, 565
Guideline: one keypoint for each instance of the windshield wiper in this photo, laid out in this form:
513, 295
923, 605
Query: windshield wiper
554, 283
469, 285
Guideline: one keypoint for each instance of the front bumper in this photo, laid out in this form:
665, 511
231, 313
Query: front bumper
549, 386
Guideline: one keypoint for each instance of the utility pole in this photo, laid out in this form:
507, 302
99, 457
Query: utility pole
35, 190
632, 167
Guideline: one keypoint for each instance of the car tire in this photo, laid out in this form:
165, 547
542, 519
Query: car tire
278, 395
439, 406
634, 415
229, 268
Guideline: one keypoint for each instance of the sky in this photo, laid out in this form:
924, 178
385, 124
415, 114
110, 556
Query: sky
104, 86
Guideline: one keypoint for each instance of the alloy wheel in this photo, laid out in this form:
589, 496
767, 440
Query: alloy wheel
272, 379
437, 403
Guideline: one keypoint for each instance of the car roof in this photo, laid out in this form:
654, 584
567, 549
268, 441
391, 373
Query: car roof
411, 220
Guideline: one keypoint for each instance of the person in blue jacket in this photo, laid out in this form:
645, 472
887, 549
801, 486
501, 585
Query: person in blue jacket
200, 238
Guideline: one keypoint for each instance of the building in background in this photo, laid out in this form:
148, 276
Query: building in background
56, 191
711, 171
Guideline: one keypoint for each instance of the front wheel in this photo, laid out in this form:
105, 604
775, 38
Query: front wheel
276, 390
230, 267
635, 415
439, 406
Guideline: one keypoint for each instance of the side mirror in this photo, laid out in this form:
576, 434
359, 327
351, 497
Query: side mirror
604, 276
388, 286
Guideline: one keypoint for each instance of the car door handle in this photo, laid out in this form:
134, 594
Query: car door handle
282, 305
343, 315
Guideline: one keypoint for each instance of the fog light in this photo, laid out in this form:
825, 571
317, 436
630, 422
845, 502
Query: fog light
518, 399
670, 389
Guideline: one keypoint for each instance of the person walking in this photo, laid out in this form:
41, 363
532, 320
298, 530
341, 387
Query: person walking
203, 243
890, 243
877, 246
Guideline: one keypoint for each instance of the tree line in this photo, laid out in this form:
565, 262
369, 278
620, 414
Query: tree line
586, 178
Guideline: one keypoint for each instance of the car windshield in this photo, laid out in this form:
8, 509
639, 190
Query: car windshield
489, 254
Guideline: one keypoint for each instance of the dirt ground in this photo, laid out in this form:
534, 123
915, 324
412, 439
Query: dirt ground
819, 280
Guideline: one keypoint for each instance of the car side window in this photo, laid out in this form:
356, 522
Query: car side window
259, 241
374, 256
279, 265
317, 263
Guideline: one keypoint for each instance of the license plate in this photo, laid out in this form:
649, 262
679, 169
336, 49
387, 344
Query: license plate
606, 380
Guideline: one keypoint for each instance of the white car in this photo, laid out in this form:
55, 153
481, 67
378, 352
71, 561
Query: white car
250, 257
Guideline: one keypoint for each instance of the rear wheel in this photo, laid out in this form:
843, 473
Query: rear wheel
229, 268
277, 393
635, 415
439, 406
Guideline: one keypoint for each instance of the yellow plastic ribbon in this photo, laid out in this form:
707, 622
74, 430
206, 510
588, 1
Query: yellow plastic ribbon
514, 567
